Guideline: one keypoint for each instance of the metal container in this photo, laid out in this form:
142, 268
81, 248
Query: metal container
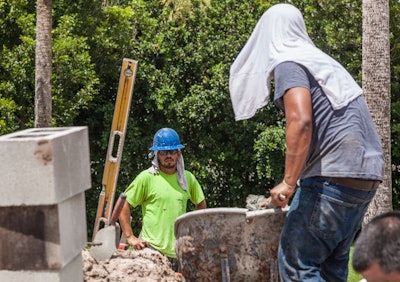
229, 244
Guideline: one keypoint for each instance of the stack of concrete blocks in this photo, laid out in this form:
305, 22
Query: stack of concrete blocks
44, 173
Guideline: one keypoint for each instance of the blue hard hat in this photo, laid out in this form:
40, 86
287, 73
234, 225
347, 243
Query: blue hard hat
166, 139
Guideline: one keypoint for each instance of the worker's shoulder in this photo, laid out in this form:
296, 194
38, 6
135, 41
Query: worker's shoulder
191, 178
188, 173
290, 66
144, 174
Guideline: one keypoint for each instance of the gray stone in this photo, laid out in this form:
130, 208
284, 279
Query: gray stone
44, 173
42, 237
70, 273
44, 166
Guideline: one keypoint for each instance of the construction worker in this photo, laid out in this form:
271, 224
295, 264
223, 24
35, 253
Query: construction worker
163, 191
334, 160
377, 249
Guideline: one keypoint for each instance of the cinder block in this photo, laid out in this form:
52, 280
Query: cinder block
72, 272
73, 227
44, 166
42, 237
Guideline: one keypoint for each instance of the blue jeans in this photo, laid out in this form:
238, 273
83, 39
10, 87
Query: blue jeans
319, 229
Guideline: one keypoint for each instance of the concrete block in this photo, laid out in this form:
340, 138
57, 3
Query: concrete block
42, 237
44, 166
72, 272
73, 227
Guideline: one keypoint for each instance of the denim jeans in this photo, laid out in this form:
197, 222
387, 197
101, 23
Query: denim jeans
319, 229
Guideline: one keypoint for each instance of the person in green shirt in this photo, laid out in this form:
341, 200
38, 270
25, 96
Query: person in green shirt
162, 191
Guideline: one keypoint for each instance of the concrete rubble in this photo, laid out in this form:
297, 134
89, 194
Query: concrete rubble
129, 266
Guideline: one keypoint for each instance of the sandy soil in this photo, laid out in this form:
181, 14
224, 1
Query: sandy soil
129, 266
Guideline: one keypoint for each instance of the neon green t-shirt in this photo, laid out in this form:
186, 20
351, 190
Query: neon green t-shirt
163, 201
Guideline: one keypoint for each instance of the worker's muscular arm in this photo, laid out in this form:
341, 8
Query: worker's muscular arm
298, 113
125, 222
201, 205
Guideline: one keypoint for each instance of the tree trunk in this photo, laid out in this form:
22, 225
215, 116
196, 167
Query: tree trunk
376, 86
43, 63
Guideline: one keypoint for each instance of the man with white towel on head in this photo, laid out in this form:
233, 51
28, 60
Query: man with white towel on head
334, 160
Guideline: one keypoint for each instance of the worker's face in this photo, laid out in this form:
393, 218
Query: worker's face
375, 274
168, 159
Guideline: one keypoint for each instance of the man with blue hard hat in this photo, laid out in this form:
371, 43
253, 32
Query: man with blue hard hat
163, 191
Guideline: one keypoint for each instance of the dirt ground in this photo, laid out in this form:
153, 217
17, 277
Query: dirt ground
129, 266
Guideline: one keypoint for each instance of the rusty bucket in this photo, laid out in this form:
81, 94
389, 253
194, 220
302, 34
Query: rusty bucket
229, 244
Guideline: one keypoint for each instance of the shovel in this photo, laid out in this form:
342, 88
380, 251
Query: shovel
107, 239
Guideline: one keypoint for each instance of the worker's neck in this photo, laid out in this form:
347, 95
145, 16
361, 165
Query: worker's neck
169, 171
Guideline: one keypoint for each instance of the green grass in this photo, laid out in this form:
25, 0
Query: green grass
353, 276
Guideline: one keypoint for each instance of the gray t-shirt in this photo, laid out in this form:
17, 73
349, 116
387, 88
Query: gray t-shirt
344, 142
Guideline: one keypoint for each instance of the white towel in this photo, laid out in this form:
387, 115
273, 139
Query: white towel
280, 35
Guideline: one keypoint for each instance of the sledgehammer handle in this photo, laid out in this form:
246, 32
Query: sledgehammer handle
118, 208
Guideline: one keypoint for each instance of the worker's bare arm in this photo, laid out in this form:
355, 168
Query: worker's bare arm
298, 113
201, 205
125, 222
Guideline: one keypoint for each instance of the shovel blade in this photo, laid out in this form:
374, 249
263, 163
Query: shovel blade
108, 237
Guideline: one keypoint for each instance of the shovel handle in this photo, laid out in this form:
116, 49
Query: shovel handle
118, 208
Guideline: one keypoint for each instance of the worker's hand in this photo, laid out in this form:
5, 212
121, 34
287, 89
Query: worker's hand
279, 196
266, 204
136, 243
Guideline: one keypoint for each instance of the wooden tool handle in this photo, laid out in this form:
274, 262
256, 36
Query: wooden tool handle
118, 208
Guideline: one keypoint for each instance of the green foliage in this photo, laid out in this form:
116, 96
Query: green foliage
270, 153
13, 15
74, 81
8, 109
17, 63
